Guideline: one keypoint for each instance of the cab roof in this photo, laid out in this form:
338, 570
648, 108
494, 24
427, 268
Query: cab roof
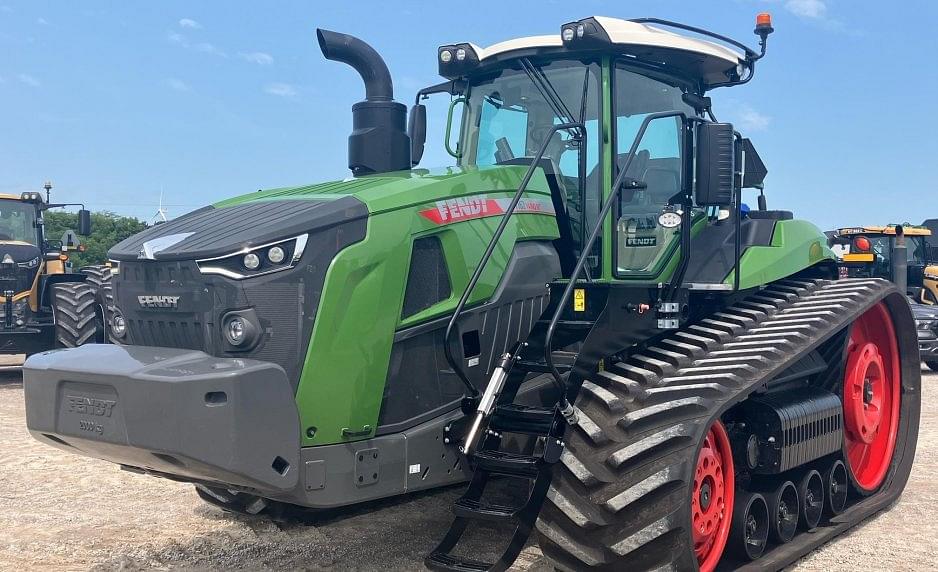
909, 230
712, 63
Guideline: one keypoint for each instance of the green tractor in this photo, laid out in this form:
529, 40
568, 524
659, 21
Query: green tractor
581, 304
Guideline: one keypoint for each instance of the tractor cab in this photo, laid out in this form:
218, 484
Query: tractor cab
611, 106
867, 252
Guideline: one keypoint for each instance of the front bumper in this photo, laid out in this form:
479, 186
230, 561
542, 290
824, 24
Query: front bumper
177, 413
928, 345
28, 339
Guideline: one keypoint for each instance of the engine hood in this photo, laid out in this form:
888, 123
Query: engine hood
221, 230
19, 251
262, 217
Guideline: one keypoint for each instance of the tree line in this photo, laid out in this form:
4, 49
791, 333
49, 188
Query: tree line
107, 230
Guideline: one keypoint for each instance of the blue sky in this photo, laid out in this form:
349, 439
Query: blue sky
113, 101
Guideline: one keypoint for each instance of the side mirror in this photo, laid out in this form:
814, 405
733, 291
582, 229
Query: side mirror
716, 164
84, 222
417, 129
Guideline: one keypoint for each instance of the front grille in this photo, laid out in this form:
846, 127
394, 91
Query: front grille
17, 279
179, 334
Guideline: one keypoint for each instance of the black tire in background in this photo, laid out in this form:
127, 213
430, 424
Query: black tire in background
74, 308
99, 277
932, 365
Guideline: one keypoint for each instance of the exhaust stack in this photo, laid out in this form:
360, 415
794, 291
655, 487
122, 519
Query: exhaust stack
379, 142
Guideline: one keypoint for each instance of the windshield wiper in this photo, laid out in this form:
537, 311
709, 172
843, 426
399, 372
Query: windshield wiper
546, 88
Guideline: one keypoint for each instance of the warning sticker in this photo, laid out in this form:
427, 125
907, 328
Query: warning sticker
579, 300
458, 210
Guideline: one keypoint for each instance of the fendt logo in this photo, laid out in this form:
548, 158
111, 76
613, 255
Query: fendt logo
158, 301
90, 405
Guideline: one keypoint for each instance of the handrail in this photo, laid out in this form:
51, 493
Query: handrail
473, 281
588, 247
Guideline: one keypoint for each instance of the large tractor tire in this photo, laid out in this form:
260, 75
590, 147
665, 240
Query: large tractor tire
649, 481
100, 278
932, 365
76, 321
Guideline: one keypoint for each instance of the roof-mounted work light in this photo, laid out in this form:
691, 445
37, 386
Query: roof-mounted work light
457, 60
584, 34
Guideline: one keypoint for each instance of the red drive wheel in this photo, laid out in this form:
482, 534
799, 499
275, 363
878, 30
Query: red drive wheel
871, 398
712, 497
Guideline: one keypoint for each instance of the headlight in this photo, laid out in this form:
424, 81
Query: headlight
252, 261
29, 263
234, 331
240, 330
118, 325
256, 260
276, 255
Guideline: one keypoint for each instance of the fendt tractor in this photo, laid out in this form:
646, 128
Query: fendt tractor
43, 303
580, 305
903, 254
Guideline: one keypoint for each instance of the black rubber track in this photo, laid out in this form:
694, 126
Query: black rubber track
619, 499
73, 305
101, 278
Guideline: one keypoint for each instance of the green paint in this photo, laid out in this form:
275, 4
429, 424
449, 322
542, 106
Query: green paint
608, 240
796, 245
455, 153
342, 384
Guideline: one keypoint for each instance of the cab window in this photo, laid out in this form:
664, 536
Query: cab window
642, 245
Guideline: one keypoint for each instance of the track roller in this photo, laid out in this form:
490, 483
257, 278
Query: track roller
811, 494
835, 485
782, 500
750, 532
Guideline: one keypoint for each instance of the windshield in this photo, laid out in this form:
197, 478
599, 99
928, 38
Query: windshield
17, 221
511, 112
915, 249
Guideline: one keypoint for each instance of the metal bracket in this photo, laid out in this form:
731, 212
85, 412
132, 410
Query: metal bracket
366, 467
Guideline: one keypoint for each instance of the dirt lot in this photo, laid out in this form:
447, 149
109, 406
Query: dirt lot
61, 511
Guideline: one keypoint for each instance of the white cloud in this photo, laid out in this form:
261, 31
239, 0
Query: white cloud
207, 48
814, 9
259, 58
752, 120
204, 47
281, 90
42, 21
177, 38
177, 84
192, 24
28, 80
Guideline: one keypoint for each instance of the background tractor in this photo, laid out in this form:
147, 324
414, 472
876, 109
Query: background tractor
906, 255
43, 303
581, 304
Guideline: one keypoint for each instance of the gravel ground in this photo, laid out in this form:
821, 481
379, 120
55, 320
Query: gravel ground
60, 511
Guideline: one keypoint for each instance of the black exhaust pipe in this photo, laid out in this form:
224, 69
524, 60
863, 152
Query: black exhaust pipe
379, 142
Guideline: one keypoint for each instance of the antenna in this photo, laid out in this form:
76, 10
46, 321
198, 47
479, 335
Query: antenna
160, 216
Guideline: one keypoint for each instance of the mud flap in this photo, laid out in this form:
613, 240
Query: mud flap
179, 413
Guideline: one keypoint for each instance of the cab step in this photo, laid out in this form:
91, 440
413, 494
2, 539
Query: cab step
469, 508
516, 418
506, 463
448, 563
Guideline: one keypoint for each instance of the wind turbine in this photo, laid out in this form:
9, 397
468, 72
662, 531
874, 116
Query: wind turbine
160, 216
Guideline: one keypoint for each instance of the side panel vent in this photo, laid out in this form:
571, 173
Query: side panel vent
428, 277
